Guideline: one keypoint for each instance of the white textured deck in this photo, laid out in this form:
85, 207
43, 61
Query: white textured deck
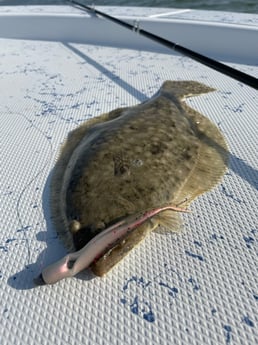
196, 287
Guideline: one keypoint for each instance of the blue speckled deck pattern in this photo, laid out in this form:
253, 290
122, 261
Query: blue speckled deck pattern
196, 287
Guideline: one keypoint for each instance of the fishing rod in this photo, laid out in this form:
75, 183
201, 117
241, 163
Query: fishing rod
214, 64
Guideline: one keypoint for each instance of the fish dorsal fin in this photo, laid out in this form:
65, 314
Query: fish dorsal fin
211, 161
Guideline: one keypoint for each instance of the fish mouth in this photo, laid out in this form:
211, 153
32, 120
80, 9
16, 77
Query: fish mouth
106, 249
38, 281
101, 262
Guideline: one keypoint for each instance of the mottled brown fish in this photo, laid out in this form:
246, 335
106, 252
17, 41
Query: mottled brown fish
124, 173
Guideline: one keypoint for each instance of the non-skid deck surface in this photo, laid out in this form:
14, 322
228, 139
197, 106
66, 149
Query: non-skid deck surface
196, 287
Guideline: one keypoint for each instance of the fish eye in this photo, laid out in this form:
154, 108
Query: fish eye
70, 264
137, 162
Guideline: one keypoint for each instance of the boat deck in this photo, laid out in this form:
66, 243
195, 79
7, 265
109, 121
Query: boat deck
199, 286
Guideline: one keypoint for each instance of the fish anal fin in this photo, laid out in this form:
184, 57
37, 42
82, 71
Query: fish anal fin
57, 200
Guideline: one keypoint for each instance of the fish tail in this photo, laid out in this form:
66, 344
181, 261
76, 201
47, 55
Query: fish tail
181, 89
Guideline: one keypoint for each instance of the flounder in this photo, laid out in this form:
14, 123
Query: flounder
125, 173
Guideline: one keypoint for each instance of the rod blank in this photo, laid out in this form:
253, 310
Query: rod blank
214, 64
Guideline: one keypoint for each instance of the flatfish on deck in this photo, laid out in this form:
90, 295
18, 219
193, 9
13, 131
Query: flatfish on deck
127, 172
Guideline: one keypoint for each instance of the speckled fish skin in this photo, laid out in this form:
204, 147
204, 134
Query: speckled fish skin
134, 159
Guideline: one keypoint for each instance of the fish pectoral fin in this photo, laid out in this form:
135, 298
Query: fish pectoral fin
169, 221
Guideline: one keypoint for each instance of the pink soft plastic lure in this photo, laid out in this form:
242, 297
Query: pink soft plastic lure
74, 263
